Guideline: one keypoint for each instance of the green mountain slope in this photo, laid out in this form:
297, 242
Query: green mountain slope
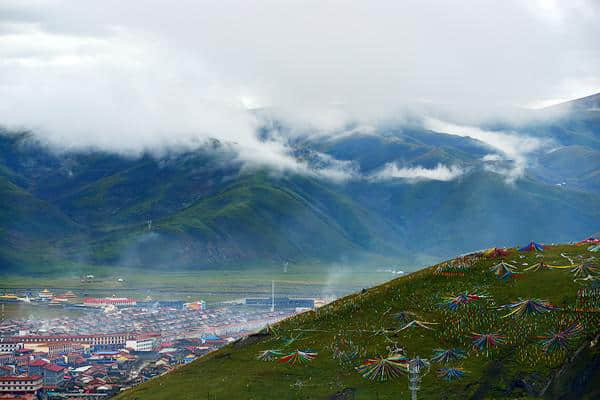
209, 210
369, 324
256, 218
572, 166
30, 223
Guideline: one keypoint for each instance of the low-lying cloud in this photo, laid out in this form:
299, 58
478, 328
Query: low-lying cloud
439, 173
512, 150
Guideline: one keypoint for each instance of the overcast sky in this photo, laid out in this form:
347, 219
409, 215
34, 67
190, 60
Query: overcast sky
127, 75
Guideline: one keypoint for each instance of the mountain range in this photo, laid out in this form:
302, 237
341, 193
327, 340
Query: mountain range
407, 192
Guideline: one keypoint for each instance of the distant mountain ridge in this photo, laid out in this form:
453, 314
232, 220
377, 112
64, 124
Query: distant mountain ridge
201, 208
587, 103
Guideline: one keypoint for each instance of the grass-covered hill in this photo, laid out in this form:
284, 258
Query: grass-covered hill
454, 302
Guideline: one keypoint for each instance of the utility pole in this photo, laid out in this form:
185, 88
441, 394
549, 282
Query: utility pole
272, 296
415, 368
413, 381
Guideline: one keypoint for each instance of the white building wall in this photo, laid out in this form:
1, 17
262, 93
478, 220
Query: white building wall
140, 345
7, 348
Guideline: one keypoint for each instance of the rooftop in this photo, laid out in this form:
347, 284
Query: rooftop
53, 368
37, 363
20, 378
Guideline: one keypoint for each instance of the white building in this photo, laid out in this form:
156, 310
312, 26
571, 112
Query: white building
20, 384
9, 347
45, 295
141, 344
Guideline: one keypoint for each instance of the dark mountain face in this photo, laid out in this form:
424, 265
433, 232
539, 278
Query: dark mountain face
201, 208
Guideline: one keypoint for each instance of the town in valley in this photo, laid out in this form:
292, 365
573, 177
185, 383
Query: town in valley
96, 347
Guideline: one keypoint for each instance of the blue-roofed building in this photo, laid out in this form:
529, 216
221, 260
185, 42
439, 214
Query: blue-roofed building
281, 302
176, 304
189, 358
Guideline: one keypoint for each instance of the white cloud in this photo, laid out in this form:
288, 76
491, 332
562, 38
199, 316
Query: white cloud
137, 75
514, 148
120, 95
492, 157
439, 173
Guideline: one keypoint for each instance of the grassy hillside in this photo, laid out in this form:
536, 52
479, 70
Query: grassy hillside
253, 218
369, 324
29, 223
575, 166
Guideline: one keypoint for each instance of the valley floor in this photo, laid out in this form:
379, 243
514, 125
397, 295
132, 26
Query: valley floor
209, 285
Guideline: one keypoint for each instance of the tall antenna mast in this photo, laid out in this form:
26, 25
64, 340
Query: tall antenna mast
272, 296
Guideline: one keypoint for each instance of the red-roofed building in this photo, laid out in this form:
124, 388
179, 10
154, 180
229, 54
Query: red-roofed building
106, 301
53, 368
53, 349
77, 361
37, 363
100, 339
20, 396
20, 384
36, 367
165, 345
53, 375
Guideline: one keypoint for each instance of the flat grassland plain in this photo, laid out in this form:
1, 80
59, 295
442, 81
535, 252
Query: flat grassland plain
323, 281
367, 324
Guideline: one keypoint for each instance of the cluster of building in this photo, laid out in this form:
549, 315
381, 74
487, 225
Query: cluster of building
115, 343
